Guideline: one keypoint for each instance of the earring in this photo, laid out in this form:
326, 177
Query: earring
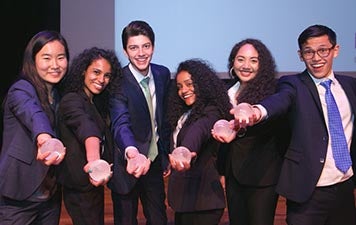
231, 72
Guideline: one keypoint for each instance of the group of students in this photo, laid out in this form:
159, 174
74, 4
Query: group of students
100, 110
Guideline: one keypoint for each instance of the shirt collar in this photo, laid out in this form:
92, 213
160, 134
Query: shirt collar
317, 81
138, 76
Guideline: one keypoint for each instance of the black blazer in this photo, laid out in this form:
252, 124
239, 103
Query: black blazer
78, 120
297, 95
199, 188
256, 158
131, 124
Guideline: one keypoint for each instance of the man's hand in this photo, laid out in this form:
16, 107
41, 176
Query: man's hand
137, 164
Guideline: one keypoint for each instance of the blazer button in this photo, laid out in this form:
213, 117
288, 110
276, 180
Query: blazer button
322, 160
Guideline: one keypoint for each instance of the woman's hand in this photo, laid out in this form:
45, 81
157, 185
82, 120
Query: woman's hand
48, 158
224, 138
104, 181
181, 161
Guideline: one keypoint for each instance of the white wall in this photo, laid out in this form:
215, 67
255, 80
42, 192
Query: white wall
208, 29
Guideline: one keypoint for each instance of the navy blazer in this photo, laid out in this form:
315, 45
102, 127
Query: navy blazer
297, 95
131, 123
24, 119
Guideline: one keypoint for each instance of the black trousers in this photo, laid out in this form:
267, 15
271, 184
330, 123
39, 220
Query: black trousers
249, 205
13, 212
149, 189
85, 208
330, 205
207, 217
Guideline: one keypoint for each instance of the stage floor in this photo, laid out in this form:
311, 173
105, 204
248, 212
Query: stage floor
65, 219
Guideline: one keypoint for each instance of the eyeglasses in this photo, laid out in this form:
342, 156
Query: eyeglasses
322, 52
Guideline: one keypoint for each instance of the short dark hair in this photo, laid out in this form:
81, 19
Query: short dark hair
135, 28
316, 30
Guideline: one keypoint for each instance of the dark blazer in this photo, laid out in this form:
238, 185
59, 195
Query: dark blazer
78, 120
24, 119
297, 95
131, 124
199, 188
256, 158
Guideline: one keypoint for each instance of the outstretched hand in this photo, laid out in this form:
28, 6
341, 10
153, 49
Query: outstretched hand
223, 138
242, 121
104, 181
137, 164
46, 157
179, 163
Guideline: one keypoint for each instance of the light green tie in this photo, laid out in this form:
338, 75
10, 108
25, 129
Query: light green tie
153, 151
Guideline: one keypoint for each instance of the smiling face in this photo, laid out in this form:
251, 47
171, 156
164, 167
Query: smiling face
97, 77
51, 62
317, 65
246, 63
139, 51
185, 87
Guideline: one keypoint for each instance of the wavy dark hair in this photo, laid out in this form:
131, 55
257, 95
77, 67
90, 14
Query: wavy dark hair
29, 71
209, 90
74, 81
264, 84
135, 28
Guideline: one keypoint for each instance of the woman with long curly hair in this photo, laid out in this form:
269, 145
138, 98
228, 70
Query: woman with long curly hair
196, 102
84, 130
252, 160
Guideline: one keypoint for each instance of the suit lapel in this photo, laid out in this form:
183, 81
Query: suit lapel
131, 79
306, 79
136, 89
159, 93
348, 91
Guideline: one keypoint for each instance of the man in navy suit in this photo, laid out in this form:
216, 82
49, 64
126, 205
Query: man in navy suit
134, 131
317, 192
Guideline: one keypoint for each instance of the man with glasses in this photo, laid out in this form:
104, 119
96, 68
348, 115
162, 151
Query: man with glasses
319, 189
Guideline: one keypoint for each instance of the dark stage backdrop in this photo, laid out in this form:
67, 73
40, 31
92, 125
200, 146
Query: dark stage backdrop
20, 20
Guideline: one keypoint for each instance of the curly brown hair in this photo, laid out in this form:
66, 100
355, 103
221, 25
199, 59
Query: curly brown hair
74, 81
209, 90
264, 84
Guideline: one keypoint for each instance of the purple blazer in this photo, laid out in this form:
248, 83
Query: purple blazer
24, 119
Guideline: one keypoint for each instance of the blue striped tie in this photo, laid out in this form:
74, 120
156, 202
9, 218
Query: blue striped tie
338, 140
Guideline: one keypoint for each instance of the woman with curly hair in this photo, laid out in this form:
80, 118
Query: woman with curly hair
253, 159
84, 130
196, 102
